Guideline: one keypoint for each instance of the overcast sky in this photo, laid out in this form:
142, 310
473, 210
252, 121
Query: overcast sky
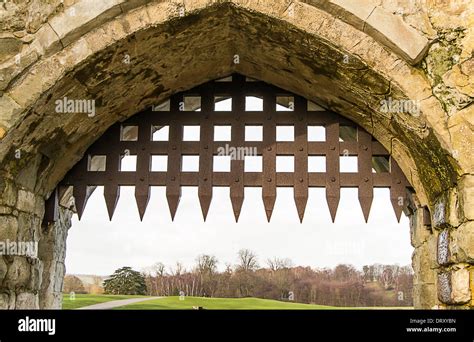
97, 246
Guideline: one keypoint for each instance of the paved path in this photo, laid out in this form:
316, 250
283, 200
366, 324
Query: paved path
115, 303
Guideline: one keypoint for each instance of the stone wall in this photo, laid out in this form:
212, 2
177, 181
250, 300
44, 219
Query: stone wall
344, 55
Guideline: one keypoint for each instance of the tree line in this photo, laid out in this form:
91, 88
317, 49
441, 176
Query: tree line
344, 285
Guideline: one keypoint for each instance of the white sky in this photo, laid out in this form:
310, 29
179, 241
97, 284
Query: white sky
97, 246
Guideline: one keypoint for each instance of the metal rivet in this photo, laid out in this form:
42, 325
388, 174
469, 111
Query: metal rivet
333, 148
174, 147
365, 148
142, 179
206, 147
301, 149
366, 179
301, 180
237, 180
269, 148
205, 179
399, 181
143, 148
333, 179
269, 179
173, 178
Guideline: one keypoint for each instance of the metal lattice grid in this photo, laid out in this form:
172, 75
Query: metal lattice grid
192, 126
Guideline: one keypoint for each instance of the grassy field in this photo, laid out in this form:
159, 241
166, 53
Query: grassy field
174, 303
88, 299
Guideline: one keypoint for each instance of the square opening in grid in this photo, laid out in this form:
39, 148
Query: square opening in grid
348, 163
190, 104
128, 163
253, 133
285, 133
253, 163
222, 133
129, 133
316, 164
191, 133
190, 163
96, 163
380, 164
285, 163
159, 163
313, 107
347, 133
162, 107
223, 103
160, 133
316, 133
221, 164
253, 104
285, 103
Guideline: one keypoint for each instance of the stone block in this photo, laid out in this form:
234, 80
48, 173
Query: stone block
395, 33
466, 196
461, 243
454, 286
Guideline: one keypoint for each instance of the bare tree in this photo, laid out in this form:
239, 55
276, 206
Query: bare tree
276, 264
247, 260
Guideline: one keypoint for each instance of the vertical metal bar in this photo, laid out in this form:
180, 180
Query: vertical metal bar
206, 153
142, 184
397, 189
237, 140
79, 190
269, 154
111, 188
300, 187
173, 180
333, 188
364, 168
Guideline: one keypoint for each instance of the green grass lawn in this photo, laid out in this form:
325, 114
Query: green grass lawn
174, 303
88, 299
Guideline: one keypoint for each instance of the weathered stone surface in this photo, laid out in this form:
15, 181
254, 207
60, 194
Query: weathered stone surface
8, 228
26, 201
53, 254
443, 247
83, 16
461, 245
454, 286
395, 33
466, 192
461, 292
27, 300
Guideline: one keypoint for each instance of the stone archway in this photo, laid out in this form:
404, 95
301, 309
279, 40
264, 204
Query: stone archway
129, 55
